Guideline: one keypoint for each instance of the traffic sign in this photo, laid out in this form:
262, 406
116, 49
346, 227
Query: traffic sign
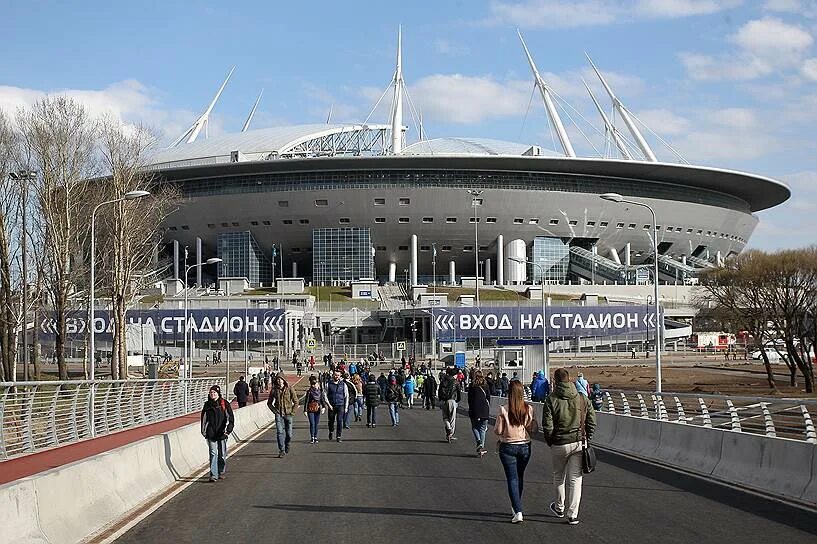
310, 344
401, 346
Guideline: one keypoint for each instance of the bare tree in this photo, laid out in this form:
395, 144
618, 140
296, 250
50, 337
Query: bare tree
59, 136
131, 228
10, 316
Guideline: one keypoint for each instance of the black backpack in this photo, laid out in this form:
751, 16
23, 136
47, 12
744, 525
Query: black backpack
447, 388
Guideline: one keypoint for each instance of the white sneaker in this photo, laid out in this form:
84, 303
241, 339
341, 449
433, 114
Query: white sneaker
517, 518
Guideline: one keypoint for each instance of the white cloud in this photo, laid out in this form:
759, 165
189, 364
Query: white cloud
458, 98
764, 46
809, 69
663, 122
804, 8
770, 37
567, 14
740, 118
128, 101
448, 48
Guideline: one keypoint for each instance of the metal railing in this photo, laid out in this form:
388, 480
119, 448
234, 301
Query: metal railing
773, 417
39, 415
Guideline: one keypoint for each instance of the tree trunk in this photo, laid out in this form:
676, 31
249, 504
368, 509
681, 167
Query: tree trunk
769, 371
61, 336
35, 347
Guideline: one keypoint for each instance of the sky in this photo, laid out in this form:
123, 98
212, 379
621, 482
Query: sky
725, 83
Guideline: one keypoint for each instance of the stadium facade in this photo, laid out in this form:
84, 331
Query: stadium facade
336, 202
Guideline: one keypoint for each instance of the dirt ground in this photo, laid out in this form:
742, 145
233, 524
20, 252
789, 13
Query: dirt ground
711, 377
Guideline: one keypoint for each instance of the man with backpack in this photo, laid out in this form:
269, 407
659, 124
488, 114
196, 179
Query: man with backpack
429, 391
255, 388
449, 395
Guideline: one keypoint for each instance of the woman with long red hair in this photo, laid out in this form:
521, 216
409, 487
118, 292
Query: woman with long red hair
515, 423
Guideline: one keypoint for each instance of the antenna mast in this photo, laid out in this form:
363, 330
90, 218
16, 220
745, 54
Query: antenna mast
201, 123
252, 112
397, 101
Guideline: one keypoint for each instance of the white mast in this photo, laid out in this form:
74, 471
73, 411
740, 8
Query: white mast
252, 112
622, 147
193, 132
544, 89
329, 115
397, 102
622, 111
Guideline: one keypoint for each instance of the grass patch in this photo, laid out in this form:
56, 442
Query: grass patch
326, 293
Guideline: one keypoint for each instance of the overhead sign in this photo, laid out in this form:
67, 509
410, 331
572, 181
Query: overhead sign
562, 321
169, 324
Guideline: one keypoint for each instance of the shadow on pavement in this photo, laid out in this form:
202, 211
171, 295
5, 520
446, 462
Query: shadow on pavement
397, 453
490, 517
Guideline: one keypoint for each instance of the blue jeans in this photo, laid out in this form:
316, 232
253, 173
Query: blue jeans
359, 407
283, 428
371, 415
394, 412
314, 419
514, 459
348, 415
479, 427
218, 457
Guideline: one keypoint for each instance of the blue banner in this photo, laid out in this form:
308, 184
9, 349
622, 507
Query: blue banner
528, 322
169, 324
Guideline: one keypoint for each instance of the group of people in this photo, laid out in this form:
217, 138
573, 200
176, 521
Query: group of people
346, 389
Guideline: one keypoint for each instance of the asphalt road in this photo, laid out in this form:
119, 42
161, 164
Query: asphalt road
405, 484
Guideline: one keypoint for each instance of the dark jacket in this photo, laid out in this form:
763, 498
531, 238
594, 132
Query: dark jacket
492, 388
241, 391
313, 393
562, 413
371, 394
282, 401
336, 394
394, 393
216, 419
479, 402
429, 387
449, 389
504, 385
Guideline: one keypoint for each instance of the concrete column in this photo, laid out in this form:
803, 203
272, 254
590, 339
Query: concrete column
392, 272
718, 259
452, 272
614, 255
487, 272
684, 259
198, 261
627, 253
413, 272
517, 272
294, 269
176, 258
500, 260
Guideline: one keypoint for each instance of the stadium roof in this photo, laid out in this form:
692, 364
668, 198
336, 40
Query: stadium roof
474, 146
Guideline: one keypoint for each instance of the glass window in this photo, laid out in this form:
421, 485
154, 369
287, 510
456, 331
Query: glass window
533, 221
473, 220
553, 222
572, 222
254, 223
380, 248
343, 253
211, 225
647, 227
490, 219
286, 221
402, 248
235, 223
425, 248
303, 221
450, 219
225, 224
403, 220
283, 203
553, 257
344, 220
619, 225
591, 223
468, 248
518, 220
446, 248
603, 224
631, 226
379, 201
267, 223
379, 219
321, 202
404, 201
428, 219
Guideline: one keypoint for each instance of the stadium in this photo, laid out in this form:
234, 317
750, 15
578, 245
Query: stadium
334, 202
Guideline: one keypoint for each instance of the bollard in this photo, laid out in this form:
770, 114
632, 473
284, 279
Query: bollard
707, 421
734, 415
610, 406
811, 434
644, 412
767, 420
682, 418
625, 403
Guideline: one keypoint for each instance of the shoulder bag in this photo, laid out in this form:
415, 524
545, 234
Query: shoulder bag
588, 453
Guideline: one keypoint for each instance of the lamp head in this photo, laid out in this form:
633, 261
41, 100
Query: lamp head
213, 260
612, 197
133, 195
519, 260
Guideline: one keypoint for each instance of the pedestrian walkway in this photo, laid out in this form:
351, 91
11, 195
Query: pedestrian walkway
405, 484
28, 465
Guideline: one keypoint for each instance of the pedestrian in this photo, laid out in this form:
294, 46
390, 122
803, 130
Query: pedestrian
493, 390
542, 389
336, 397
217, 423
313, 408
371, 393
596, 397
567, 418
479, 407
582, 387
515, 423
449, 395
632, 353
383, 383
429, 391
241, 392
504, 384
357, 381
283, 403
408, 389
352, 398
255, 386
394, 396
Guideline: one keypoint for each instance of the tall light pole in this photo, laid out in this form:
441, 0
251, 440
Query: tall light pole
188, 365
24, 176
545, 350
615, 197
131, 195
434, 299
475, 201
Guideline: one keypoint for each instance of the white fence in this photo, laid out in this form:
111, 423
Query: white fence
39, 415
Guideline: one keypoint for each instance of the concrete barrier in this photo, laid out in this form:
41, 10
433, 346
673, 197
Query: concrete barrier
693, 448
72, 502
810, 493
606, 428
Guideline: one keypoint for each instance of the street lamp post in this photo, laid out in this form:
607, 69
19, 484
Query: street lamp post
434, 299
24, 176
188, 365
545, 350
615, 197
131, 195
475, 201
